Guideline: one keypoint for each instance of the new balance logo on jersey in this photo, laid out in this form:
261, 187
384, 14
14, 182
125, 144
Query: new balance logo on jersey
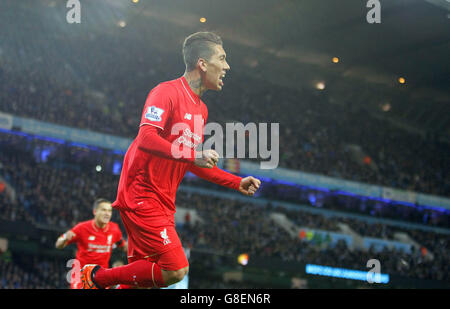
154, 113
165, 238
188, 116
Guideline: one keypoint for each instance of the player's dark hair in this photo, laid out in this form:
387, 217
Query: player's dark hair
199, 45
100, 201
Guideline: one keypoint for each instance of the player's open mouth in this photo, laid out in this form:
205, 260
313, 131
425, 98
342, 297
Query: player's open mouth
221, 79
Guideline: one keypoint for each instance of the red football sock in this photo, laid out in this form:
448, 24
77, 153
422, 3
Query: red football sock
140, 273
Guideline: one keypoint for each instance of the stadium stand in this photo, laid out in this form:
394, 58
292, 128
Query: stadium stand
56, 192
344, 141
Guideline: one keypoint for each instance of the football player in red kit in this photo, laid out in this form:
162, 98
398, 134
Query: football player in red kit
164, 150
94, 238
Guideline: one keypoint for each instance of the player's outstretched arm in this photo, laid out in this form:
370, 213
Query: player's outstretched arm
149, 140
247, 186
62, 240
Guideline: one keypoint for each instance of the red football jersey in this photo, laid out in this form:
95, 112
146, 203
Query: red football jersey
95, 244
154, 178
180, 115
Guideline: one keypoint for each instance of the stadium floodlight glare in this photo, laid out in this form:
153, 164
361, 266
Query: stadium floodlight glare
320, 85
243, 259
345, 273
386, 107
203, 20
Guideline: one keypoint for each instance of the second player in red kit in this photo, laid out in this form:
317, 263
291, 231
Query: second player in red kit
170, 130
95, 244
94, 238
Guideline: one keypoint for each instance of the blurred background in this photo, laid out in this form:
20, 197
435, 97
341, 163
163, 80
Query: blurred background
363, 111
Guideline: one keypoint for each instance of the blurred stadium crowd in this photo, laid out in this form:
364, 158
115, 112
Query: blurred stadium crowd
15, 273
79, 81
92, 82
59, 190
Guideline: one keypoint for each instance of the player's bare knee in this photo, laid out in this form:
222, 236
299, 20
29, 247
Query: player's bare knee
178, 275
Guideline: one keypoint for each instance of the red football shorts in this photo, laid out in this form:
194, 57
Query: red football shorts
152, 236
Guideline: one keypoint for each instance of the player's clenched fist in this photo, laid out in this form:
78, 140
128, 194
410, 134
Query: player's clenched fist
207, 158
249, 185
